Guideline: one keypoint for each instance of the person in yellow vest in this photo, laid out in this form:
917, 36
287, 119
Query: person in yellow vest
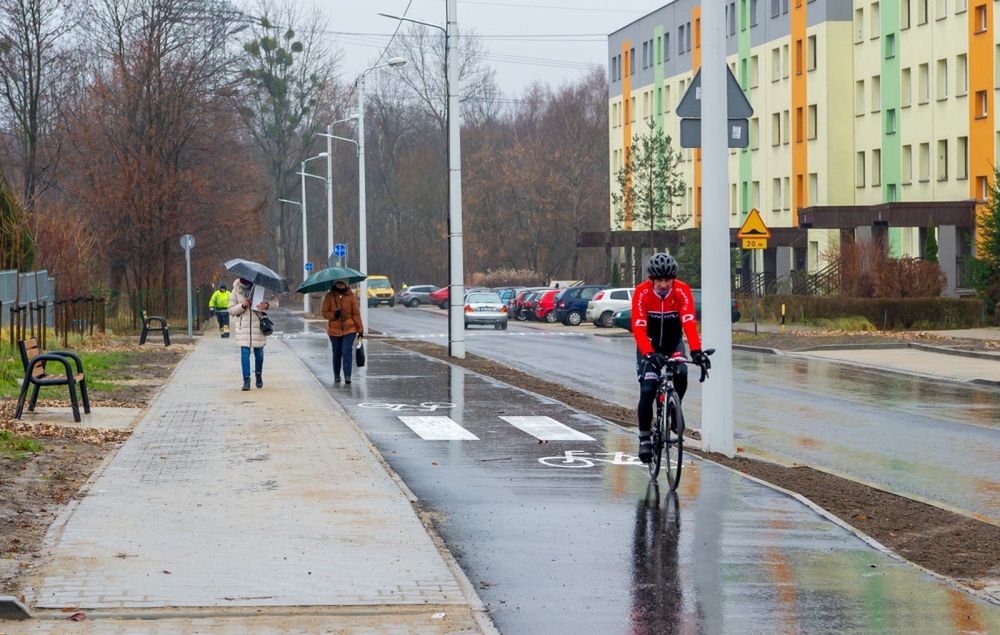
219, 302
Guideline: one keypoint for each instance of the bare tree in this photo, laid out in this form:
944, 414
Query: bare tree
32, 66
288, 94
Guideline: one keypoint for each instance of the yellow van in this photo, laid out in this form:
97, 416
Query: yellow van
380, 291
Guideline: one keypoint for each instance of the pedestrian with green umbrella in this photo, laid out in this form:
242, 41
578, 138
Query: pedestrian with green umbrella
342, 311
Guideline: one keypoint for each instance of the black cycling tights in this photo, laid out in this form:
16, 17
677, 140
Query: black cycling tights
647, 396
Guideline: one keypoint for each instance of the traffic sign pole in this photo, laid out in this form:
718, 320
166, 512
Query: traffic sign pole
187, 243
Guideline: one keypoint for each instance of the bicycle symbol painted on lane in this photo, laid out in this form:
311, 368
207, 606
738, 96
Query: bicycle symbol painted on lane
575, 459
426, 406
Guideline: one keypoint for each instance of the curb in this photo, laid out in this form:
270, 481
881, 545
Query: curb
756, 349
12, 609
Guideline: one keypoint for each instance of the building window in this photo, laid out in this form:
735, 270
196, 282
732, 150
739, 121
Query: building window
890, 121
961, 75
961, 6
775, 8
687, 37
906, 172
890, 46
811, 53
800, 124
942, 79
983, 187
754, 71
924, 84
859, 26
905, 87
812, 122
813, 188
666, 99
732, 18
753, 13
755, 194
799, 62
859, 97
775, 195
942, 160
890, 193
786, 127
875, 19
876, 93
733, 200
982, 104
859, 169
680, 40
754, 133
904, 14
775, 64
876, 168
921, 12
982, 19
785, 61
631, 62
925, 162
786, 194
776, 129
942, 9
645, 54
962, 158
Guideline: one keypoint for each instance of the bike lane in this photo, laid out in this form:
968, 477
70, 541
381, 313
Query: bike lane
577, 542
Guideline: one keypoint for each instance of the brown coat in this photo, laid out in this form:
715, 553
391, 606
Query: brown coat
350, 313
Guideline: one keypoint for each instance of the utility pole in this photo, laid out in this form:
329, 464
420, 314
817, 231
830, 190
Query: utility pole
456, 266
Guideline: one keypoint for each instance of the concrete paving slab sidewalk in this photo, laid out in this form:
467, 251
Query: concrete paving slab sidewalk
916, 362
269, 498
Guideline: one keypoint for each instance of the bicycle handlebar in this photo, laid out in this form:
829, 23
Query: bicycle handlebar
683, 360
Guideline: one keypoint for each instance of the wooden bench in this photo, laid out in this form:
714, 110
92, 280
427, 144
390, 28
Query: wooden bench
154, 324
36, 374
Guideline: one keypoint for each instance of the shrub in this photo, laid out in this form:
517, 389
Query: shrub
507, 278
883, 313
867, 271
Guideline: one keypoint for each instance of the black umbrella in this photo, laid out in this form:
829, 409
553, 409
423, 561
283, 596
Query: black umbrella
257, 273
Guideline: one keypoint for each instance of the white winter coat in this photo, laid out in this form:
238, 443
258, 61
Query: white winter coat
246, 322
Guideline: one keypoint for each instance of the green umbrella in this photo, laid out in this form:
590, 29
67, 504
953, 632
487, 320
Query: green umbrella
323, 280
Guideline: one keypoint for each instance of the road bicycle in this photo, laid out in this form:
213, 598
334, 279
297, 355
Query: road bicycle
668, 426
580, 458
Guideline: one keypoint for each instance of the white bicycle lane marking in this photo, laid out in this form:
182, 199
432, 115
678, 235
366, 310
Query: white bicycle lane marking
426, 406
438, 429
576, 459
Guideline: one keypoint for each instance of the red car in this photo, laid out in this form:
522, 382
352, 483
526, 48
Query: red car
440, 298
545, 306
518, 308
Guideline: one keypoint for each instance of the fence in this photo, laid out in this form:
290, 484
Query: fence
126, 308
79, 316
19, 289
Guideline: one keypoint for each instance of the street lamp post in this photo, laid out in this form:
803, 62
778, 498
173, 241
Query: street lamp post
329, 176
305, 227
456, 265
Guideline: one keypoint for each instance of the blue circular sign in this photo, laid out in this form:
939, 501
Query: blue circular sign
340, 250
309, 266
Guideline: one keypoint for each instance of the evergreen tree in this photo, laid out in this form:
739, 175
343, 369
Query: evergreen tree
985, 267
931, 245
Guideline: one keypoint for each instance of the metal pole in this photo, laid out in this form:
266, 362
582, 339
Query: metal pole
754, 279
305, 239
362, 214
329, 190
187, 260
456, 282
717, 401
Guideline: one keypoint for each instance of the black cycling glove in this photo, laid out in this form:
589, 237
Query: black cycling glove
701, 359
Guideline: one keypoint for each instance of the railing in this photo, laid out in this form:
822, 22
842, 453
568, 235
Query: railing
597, 276
826, 281
743, 286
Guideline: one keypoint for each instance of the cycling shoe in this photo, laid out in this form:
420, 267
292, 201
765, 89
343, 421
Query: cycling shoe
645, 450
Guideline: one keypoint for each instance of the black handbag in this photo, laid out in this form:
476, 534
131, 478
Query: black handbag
266, 325
359, 356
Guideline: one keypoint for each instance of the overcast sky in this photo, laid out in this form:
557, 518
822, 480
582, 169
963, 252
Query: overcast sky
581, 27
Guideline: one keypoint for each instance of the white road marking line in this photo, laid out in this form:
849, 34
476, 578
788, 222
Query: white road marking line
438, 429
546, 429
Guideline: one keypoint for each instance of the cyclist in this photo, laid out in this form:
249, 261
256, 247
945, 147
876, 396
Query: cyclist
662, 307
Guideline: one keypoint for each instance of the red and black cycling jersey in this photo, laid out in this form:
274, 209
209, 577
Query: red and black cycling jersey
657, 322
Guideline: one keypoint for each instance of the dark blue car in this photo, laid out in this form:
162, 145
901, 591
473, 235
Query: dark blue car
571, 303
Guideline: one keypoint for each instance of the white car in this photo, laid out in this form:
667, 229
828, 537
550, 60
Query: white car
485, 308
602, 308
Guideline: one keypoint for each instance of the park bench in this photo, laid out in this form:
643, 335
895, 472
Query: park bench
36, 375
154, 324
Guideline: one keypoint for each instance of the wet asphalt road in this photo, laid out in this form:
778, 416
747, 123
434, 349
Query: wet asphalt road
591, 549
933, 441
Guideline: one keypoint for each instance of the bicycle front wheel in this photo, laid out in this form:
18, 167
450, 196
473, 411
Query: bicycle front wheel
657, 440
673, 431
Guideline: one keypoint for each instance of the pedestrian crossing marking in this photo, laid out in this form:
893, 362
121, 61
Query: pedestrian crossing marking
546, 429
438, 429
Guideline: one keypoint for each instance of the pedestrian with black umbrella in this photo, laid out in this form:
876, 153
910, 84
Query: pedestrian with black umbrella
252, 323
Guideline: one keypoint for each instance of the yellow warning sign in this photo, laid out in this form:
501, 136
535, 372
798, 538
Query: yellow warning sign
754, 227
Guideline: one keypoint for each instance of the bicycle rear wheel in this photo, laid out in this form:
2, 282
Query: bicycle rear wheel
673, 430
657, 437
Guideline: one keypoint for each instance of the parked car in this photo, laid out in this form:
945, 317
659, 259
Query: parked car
517, 310
380, 291
507, 294
440, 297
545, 306
529, 302
602, 308
416, 295
486, 308
623, 318
571, 303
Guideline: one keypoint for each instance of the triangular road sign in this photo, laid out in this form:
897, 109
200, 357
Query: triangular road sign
736, 100
754, 227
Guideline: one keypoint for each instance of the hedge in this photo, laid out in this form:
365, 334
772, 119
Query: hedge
884, 313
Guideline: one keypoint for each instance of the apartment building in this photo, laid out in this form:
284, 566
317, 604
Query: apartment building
870, 116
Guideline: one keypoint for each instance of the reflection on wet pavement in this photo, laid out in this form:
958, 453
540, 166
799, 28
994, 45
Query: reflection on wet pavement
594, 550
